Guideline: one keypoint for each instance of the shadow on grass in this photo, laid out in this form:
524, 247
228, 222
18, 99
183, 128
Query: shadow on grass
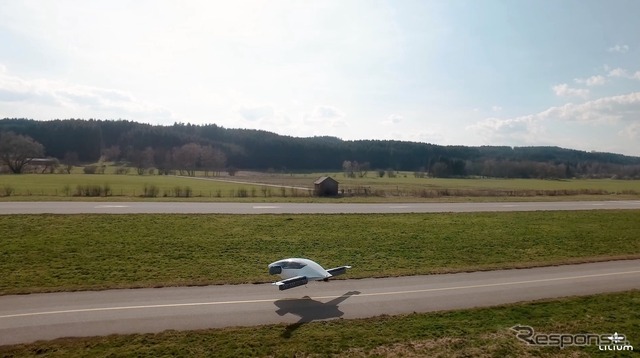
310, 310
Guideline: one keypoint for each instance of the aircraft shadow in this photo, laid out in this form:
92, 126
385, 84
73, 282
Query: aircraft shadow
310, 310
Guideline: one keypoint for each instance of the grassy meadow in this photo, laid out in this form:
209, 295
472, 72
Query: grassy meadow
406, 184
409, 180
252, 186
483, 332
44, 253
65, 187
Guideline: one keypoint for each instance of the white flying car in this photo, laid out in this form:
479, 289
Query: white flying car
297, 272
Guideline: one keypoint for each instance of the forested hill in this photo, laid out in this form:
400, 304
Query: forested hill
261, 150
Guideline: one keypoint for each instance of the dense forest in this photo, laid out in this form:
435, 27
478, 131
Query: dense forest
186, 146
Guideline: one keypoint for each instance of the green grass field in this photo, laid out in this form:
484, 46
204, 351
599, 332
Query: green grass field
407, 179
42, 253
64, 187
406, 184
256, 187
466, 333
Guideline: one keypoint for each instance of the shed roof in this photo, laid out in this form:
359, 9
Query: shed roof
321, 179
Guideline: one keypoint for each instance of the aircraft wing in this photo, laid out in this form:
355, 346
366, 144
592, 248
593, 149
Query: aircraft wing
338, 270
291, 282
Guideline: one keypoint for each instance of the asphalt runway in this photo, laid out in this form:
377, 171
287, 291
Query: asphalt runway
27, 318
296, 208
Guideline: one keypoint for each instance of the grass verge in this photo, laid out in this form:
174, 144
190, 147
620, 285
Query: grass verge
481, 332
44, 253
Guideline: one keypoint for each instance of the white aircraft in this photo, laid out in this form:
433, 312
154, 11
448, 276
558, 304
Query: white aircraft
297, 272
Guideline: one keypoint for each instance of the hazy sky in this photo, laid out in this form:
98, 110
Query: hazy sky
512, 72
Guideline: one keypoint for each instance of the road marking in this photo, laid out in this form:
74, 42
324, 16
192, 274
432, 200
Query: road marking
321, 297
111, 206
266, 207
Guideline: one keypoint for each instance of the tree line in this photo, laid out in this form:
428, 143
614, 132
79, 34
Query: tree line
188, 147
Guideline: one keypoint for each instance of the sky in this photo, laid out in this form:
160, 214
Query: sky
475, 72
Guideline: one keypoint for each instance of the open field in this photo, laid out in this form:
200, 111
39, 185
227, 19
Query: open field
65, 187
406, 184
407, 179
297, 187
43, 253
466, 333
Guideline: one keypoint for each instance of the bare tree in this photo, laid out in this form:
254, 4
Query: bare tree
141, 159
111, 154
16, 150
212, 159
49, 165
348, 169
186, 157
363, 169
69, 161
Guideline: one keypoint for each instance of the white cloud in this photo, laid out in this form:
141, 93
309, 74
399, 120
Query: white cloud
47, 99
619, 49
563, 90
393, 119
632, 131
606, 110
495, 129
255, 113
496, 108
623, 73
596, 80
326, 114
618, 72
623, 107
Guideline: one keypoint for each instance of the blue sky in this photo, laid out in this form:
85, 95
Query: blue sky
476, 72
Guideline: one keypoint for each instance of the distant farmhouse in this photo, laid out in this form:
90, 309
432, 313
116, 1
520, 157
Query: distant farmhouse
325, 186
41, 165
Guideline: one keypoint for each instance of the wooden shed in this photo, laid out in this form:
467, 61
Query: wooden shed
325, 186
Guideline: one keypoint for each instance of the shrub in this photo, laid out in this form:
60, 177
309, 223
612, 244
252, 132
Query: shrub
150, 191
90, 169
122, 170
7, 190
93, 190
185, 192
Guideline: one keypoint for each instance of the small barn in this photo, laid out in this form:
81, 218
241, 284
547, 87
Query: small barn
325, 186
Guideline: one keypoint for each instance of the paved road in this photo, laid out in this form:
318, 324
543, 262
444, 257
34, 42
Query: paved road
296, 208
26, 318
